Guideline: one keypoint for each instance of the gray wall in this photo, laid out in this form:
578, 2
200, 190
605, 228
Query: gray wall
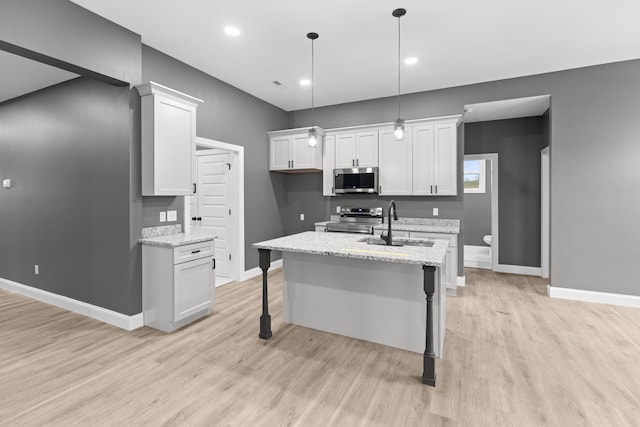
518, 143
63, 34
235, 117
477, 213
66, 149
594, 158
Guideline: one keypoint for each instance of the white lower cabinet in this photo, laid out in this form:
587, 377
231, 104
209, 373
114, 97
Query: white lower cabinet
321, 228
178, 284
451, 259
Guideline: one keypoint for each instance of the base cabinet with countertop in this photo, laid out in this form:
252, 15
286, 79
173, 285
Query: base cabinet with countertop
178, 282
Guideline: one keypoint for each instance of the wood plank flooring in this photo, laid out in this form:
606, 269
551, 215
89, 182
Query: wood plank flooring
512, 356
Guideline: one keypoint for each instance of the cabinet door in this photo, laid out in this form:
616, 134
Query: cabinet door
279, 153
345, 148
174, 148
303, 156
396, 170
422, 159
193, 287
445, 159
367, 149
328, 162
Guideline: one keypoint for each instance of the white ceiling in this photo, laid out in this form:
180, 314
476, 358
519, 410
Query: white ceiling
457, 42
507, 109
21, 76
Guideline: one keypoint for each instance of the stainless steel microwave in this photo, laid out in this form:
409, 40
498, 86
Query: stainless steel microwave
355, 180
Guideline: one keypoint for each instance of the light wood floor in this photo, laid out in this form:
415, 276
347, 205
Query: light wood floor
512, 356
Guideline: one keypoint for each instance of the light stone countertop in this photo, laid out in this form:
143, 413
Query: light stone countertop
175, 240
424, 225
322, 223
350, 246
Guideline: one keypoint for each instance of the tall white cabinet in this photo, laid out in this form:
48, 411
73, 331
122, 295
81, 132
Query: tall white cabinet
168, 141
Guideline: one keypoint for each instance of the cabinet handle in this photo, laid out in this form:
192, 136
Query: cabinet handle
353, 163
436, 189
193, 218
196, 252
199, 218
214, 264
358, 162
380, 189
431, 190
333, 191
194, 188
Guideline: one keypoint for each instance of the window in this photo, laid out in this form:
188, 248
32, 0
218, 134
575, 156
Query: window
474, 176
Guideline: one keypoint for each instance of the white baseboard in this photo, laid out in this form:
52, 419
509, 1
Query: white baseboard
256, 271
461, 281
592, 296
518, 269
99, 313
472, 263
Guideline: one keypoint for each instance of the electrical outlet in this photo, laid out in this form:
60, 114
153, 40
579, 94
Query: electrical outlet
435, 211
337, 209
301, 217
163, 216
172, 215
36, 269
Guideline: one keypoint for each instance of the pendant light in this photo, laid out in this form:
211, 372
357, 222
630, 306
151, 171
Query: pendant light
398, 127
313, 132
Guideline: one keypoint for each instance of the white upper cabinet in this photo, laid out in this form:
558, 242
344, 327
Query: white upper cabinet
328, 164
168, 141
356, 149
289, 151
395, 173
435, 151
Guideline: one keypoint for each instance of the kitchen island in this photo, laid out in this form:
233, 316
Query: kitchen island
338, 283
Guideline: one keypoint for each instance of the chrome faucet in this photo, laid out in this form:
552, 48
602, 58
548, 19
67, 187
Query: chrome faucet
388, 240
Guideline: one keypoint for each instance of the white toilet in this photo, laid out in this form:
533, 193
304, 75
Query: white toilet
487, 240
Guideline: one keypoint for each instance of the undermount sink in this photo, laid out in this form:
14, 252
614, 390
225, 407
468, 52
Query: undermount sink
397, 242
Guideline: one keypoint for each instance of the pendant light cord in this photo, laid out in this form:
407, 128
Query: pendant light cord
398, 66
313, 82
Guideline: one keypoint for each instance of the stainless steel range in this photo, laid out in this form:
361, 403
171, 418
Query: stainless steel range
356, 220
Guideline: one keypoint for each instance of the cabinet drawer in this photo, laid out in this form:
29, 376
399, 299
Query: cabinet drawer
453, 238
193, 251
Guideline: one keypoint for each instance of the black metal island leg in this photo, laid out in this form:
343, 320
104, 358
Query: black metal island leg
265, 319
429, 358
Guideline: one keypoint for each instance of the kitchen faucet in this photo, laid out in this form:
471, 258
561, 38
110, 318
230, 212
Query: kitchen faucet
388, 240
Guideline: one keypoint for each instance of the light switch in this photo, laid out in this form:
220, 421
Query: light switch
435, 211
172, 216
301, 217
163, 216
337, 209
6, 183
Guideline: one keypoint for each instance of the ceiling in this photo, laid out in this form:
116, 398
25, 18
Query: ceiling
21, 76
507, 109
456, 42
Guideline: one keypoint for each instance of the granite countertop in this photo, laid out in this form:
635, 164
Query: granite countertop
322, 223
425, 225
174, 240
349, 246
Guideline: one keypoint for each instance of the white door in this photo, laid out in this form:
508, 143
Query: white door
345, 150
396, 171
213, 205
445, 157
422, 159
367, 149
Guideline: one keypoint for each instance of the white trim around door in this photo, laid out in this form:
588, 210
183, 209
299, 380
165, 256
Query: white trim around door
544, 214
237, 201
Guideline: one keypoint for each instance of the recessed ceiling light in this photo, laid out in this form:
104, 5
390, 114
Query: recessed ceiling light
410, 61
232, 31
305, 82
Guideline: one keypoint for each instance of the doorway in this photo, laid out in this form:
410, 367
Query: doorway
218, 206
481, 212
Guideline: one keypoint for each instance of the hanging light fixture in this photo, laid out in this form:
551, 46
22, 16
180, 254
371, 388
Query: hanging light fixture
313, 132
398, 127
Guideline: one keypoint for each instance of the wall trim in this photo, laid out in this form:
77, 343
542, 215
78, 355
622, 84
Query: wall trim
254, 272
593, 296
111, 317
518, 269
461, 281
